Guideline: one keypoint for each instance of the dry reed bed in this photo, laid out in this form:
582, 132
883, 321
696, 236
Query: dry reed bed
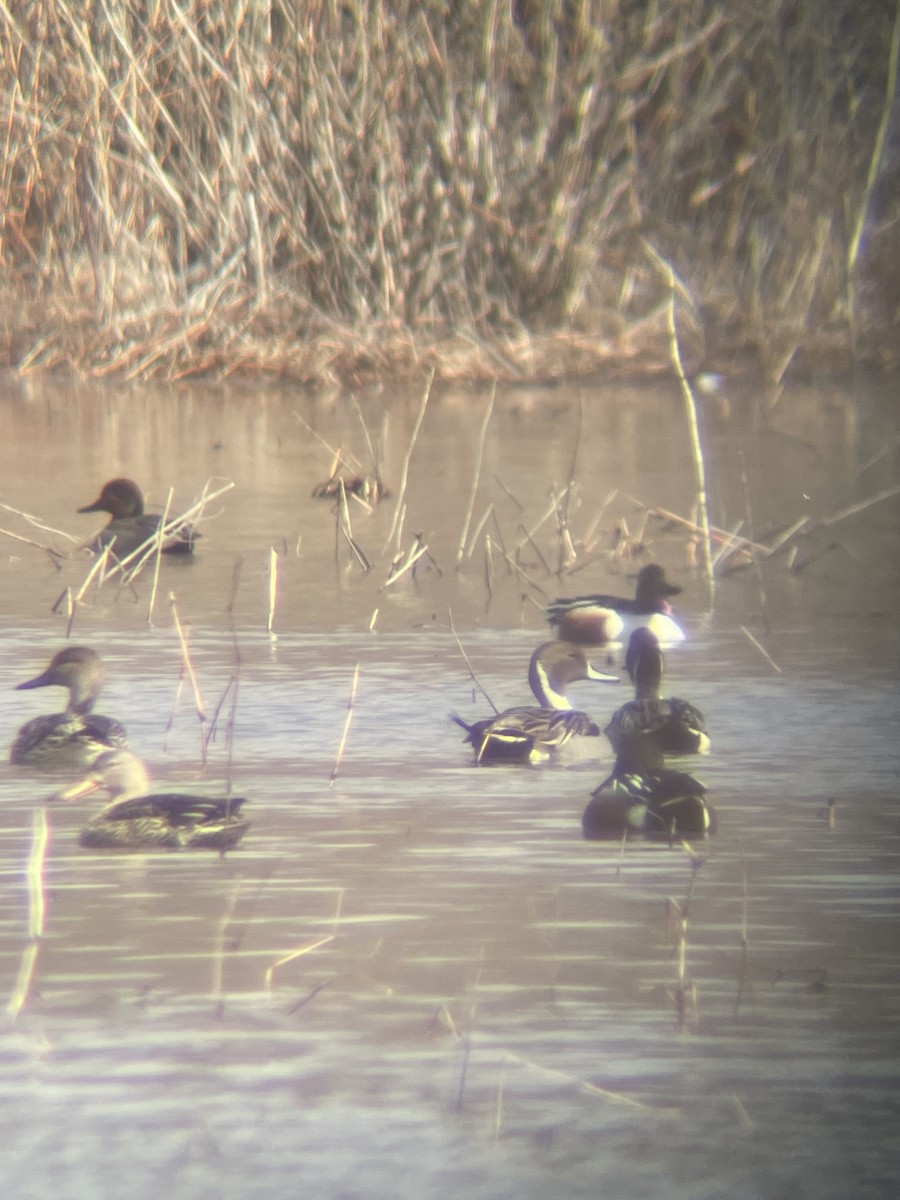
338, 191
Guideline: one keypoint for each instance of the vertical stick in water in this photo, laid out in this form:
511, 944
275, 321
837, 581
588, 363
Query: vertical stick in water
404, 475
343, 742
690, 406
273, 588
189, 671
157, 556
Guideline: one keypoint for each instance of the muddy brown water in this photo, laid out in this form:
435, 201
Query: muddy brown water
494, 1013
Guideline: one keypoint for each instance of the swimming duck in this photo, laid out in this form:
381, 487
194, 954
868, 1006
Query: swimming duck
77, 735
129, 526
676, 726
642, 795
596, 620
526, 733
134, 819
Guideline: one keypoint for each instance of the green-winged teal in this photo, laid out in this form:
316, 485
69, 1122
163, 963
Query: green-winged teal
129, 527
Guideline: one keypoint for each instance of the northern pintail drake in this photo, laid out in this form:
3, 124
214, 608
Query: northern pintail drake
676, 726
78, 734
136, 818
528, 733
598, 619
129, 527
642, 795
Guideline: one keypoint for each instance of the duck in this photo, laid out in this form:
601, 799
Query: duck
129, 527
526, 733
136, 818
676, 726
642, 795
597, 620
77, 735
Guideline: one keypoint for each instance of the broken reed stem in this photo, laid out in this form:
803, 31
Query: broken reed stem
566, 547
219, 956
550, 511
475, 678
476, 534
37, 909
479, 456
273, 588
860, 506
374, 458
519, 571
412, 556
592, 1089
761, 648
55, 555
350, 462
404, 474
343, 742
716, 534
157, 558
189, 671
38, 524
294, 954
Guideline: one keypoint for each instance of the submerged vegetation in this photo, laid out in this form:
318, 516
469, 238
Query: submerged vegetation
494, 188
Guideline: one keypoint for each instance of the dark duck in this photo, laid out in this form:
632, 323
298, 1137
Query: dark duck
129, 527
77, 735
676, 726
644, 796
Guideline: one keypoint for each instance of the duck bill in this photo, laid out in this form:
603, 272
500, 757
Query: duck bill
38, 682
95, 506
601, 676
84, 787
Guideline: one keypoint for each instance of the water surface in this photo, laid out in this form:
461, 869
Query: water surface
486, 1004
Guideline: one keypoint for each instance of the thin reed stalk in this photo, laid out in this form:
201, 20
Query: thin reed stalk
690, 407
761, 648
273, 589
342, 745
468, 663
157, 558
188, 669
400, 506
292, 956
